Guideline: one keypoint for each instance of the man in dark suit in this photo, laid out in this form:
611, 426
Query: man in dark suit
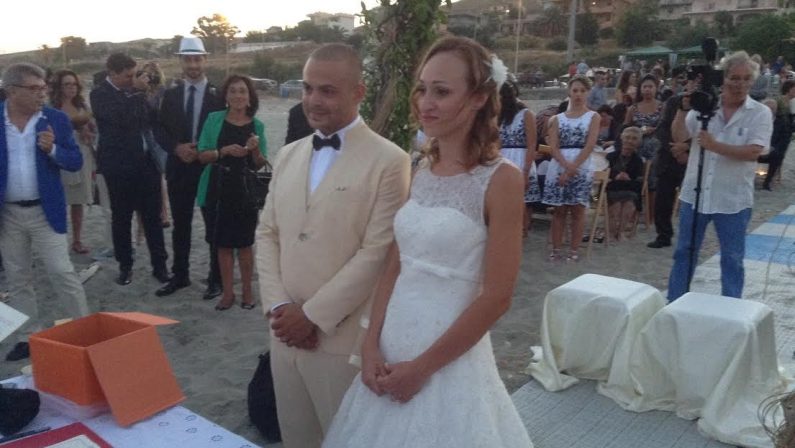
297, 125
120, 108
182, 113
36, 143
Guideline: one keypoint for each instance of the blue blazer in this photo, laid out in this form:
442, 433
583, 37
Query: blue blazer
48, 169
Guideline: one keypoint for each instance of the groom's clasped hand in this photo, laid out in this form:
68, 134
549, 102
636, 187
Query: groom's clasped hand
400, 381
291, 326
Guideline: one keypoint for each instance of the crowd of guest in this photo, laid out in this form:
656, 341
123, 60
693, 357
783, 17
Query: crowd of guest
139, 146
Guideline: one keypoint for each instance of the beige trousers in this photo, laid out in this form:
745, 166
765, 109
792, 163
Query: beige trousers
23, 232
309, 389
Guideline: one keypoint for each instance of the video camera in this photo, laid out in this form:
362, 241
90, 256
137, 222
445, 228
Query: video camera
705, 99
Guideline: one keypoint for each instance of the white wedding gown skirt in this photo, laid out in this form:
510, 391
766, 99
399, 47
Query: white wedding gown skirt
465, 404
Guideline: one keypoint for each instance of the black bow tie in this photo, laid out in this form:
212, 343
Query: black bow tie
318, 142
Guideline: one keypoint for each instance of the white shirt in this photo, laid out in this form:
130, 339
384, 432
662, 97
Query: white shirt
324, 158
727, 184
23, 181
198, 100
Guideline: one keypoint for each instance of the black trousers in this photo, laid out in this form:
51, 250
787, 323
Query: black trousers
667, 182
774, 159
130, 192
182, 195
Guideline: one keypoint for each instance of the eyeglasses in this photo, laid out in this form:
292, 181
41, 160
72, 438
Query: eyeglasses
33, 89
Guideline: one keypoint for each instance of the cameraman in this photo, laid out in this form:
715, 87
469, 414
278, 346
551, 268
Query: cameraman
737, 134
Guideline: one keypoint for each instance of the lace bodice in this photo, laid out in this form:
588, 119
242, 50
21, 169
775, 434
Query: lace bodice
441, 228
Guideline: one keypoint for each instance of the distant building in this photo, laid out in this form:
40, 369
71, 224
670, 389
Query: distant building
274, 29
250, 47
344, 21
740, 10
606, 12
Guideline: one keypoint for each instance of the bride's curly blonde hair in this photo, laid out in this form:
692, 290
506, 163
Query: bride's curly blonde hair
484, 136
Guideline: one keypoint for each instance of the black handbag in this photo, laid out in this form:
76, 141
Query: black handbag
18, 407
262, 401
256, 185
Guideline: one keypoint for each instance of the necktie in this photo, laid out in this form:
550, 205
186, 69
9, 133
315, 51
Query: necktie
189, 111
318, 142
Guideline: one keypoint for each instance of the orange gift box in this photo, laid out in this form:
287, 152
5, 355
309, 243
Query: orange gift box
107, 357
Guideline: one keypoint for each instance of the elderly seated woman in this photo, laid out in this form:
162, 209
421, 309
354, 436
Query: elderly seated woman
626, 182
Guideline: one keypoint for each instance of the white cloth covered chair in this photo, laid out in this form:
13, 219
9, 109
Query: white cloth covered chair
588, 329
709, 357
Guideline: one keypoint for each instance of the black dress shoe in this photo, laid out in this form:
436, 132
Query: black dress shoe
125, 277
658, 243
20, 351
172, 286
162, 275
213, 290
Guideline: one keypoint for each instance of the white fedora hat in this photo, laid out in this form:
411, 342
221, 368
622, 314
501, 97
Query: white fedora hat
191, 45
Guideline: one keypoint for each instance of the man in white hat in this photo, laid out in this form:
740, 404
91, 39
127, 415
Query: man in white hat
182, 113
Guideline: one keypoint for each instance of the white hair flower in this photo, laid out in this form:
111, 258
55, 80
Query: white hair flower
499, 72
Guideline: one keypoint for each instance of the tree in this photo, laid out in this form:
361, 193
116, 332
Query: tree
72, 47
552, 22
253, 37
638, 25
767, 35
724, 24
216, 31
395, 38
46, 54
683, 35
587, 30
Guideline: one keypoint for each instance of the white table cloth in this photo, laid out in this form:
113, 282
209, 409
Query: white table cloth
588, 328
174, 427
709, 357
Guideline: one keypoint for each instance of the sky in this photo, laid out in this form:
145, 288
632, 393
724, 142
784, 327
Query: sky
27, 26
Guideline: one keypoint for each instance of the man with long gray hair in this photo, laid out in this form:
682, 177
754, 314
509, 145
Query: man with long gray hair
36, 143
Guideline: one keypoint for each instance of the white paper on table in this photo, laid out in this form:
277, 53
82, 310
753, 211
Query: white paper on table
80, 441
10, 320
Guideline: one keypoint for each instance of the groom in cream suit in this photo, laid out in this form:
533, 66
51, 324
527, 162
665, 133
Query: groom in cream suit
321, 242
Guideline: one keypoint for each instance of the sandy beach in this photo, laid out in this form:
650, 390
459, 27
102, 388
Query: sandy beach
214, 354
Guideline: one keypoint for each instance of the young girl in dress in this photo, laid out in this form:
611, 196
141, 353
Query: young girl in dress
572, 136
428, 377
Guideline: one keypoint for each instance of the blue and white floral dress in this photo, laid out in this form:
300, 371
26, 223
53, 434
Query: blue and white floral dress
514, 148
573, 133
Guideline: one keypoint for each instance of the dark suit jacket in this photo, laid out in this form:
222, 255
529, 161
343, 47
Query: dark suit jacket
172, 129
48, 169
297, 126
121, 117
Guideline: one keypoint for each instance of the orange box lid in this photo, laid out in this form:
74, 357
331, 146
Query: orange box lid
139, 392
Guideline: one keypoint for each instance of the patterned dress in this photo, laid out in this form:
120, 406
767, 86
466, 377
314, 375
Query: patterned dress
514, 148
650, 144
572, 135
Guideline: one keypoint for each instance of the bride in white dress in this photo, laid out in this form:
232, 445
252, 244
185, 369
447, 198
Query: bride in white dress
428, 377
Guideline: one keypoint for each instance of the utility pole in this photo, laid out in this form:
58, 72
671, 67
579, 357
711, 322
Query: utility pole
518, 28
572, 24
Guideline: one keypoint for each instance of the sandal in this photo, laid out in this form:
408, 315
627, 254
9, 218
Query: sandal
573, 256
78, 248
248, 305
554, 255
222, 306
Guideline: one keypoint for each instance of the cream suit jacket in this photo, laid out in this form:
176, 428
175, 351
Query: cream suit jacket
325, 250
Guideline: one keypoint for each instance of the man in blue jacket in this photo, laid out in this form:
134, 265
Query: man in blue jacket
36, 142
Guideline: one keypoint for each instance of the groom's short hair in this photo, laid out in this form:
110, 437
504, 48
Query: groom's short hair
340, 52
